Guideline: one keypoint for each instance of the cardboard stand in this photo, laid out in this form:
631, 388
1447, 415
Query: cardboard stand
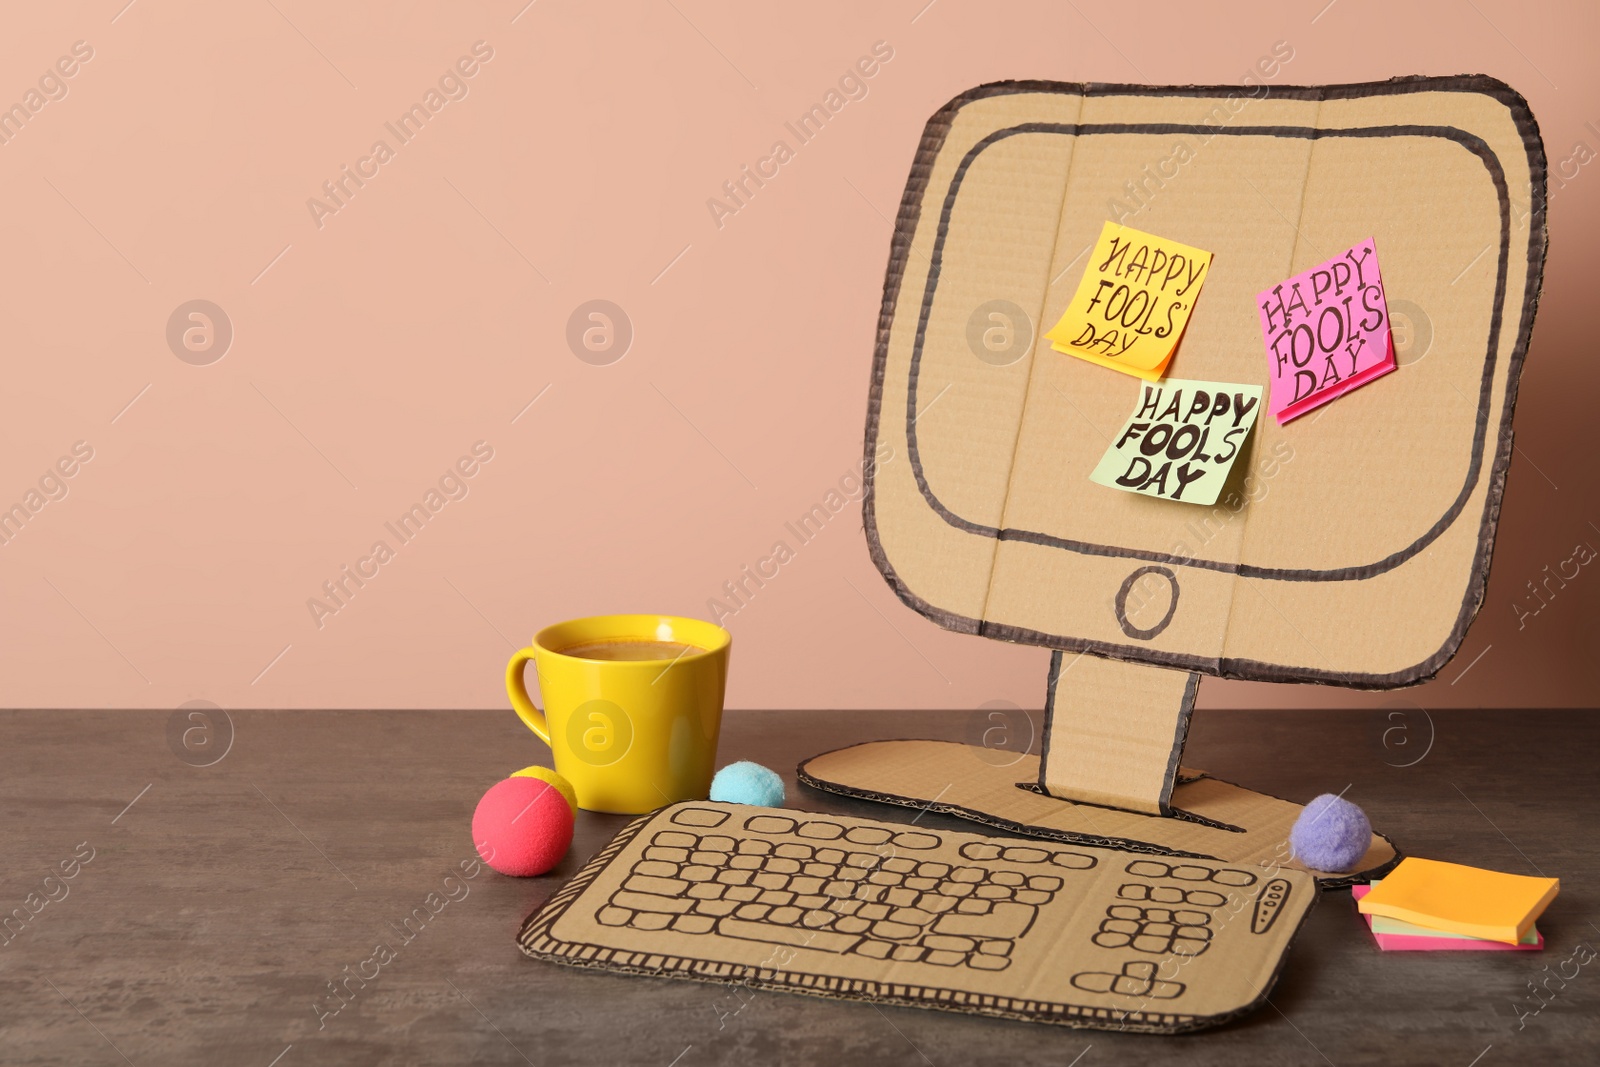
1350, 546
1133, 767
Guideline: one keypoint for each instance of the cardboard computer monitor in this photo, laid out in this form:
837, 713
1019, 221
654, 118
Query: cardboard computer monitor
1352, 545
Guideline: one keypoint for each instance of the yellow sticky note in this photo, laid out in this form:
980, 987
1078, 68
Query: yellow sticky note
1461, 900
1133, 302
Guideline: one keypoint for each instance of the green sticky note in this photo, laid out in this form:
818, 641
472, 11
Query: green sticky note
1181, 440
1382, 924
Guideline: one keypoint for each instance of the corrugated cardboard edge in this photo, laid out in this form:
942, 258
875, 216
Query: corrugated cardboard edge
536, 941
906, 221
1067, 837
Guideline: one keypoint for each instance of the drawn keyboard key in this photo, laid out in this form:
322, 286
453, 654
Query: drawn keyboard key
867, 835
915, 840
656, 868
667, 887
1006, 919
1269, 902
1025, 854
821, 940
1136, 979
707, 817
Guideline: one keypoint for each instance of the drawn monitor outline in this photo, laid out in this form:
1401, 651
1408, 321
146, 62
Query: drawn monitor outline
1490, 446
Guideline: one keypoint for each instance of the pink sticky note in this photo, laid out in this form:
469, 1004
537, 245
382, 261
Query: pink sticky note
1326, 331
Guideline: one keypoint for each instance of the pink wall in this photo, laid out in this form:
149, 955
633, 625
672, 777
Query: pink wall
374, 345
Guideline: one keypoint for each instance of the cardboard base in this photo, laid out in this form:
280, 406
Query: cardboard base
1211, 819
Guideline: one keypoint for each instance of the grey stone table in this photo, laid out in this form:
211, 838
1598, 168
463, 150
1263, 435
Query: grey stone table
209, 907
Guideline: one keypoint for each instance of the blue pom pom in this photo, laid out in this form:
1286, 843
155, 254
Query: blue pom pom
1331, 834
748, 783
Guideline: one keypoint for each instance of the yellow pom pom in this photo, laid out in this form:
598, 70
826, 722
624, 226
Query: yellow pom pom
545, 774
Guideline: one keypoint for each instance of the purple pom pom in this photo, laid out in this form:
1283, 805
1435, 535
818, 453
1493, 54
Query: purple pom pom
1331, 834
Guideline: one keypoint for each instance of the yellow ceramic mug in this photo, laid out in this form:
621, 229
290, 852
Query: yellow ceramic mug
630, 734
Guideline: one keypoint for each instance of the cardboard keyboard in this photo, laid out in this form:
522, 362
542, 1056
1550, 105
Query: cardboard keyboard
850, 908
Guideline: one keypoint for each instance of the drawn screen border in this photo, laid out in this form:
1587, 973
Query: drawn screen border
1468, 141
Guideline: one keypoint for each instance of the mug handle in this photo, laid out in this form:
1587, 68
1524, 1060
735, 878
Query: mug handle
517, 690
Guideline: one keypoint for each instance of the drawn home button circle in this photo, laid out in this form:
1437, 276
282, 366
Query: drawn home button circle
1149, 587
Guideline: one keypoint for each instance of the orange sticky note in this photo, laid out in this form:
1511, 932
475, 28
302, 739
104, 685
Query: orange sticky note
1461, 900
1132, 303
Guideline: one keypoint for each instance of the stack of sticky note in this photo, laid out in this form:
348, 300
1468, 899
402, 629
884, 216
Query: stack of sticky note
1132, 303
1429, 905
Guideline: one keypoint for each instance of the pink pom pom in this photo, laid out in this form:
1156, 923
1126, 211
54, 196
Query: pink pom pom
522, 827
